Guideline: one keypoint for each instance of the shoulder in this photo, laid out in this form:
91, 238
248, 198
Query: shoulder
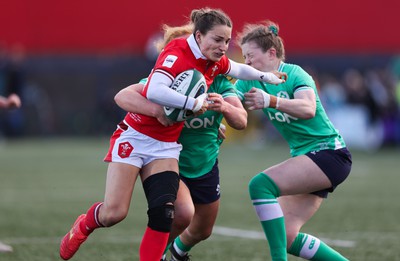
297, 76
174, 58
223, 86
294, 70
246, 84
221, 80
177, 47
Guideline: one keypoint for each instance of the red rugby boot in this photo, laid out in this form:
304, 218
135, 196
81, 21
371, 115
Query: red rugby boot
72, 240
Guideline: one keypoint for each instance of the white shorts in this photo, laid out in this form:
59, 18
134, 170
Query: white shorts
132, 147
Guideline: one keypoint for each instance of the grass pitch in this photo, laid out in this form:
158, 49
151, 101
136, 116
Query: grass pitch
46, 184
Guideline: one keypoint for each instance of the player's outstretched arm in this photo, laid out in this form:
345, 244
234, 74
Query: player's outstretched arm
246, 72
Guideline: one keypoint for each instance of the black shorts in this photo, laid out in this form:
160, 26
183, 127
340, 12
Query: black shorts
336, 164
204, 189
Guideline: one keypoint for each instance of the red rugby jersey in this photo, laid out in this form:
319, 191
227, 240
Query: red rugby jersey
178, 56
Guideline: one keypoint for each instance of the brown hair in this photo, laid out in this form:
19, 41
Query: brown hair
265, 35
205, 19
202, 20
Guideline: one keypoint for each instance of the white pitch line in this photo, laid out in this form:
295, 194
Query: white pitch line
221, 231
5, 248
233, 232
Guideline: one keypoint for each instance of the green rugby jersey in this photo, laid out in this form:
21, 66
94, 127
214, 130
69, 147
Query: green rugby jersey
199, 136
302, 135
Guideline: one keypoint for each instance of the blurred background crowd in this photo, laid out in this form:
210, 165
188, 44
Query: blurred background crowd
361, 96
67, 68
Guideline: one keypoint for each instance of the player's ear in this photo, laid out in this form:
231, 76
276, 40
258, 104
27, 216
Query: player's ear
272, 51
197, 36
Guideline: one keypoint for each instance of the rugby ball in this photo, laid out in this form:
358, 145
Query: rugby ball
189, 83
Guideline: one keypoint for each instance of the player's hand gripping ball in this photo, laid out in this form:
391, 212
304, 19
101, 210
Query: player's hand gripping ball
189, 83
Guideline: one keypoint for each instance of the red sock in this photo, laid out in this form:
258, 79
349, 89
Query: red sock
153, 245
92, 219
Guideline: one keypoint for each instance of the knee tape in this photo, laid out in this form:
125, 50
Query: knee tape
160, 218
161, 190
262, 186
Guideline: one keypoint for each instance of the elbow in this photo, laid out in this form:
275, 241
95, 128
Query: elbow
118, 98
309, 114
239, 124
236, 118
242, 126
122, 100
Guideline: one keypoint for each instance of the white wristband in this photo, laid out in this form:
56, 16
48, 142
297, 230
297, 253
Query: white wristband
267, 98
271, 78
200, 101
277, 102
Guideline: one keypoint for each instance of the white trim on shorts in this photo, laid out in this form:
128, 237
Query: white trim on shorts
141, 149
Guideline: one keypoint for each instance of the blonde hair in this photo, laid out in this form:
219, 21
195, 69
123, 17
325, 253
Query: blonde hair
171, 33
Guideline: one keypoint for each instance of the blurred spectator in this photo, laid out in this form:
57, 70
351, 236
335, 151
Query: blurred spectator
397, 126
381, 84
353, 109
311, 70
11, 102
12, 81
359, 94
332, 92
395, 76
150, 48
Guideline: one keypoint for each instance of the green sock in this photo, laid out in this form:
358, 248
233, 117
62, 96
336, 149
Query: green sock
263, 193
311, 248
181, 248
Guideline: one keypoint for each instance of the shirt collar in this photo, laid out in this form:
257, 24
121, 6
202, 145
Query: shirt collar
281, 65
195, 48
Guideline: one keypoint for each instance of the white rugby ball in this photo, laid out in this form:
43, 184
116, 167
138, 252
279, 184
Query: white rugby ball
189, 83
